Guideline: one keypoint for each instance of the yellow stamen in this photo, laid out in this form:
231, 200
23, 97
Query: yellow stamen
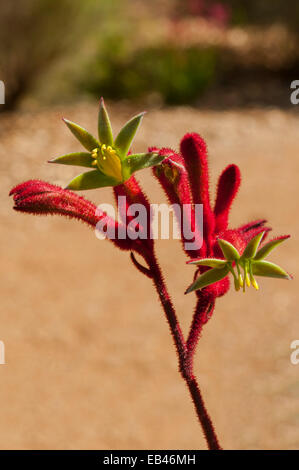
240, 278
254, 283
108, 161
94, 153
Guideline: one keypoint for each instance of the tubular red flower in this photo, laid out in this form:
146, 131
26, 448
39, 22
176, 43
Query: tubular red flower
173, 177
194, 152
42, 198
228, 185
134, 194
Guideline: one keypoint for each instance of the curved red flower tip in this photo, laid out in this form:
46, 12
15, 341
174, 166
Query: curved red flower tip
194, 152
256, 224
42, 198
173, 176
248, 231
227, 188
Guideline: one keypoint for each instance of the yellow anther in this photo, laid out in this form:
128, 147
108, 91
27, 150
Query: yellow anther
94, 153
108, 162
254, 283
241, 282
237, 284
247, 278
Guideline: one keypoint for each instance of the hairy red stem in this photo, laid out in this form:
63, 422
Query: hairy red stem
182, 352
203, 311
203, 416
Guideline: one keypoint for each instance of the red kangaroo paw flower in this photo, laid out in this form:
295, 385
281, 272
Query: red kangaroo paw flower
228, 185
173, 178
255, 231
236, 238
132, 190
133, 193
194, 151
42, 198
218, 289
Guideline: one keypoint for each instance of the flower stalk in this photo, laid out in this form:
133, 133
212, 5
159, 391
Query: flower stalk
184, 177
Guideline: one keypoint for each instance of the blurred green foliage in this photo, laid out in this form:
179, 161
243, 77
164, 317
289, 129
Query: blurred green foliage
35, 34
56, 50
175, 75
265, 12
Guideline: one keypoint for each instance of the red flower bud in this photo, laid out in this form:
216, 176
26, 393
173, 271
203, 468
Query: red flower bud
194, 151
228, 185
173, 177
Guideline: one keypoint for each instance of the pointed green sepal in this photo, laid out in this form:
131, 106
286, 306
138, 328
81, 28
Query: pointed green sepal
228, 250
236, 278
207, 278
86, 139
267, 269
104, 126
252, 246
139, 161
126, 134
91, 180
266, 249
78, 159
211, 262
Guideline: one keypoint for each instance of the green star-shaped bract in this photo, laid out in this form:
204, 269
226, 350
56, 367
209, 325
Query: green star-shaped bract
251, 262
108, 157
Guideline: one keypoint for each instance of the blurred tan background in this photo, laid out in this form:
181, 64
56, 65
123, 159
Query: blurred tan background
90, 362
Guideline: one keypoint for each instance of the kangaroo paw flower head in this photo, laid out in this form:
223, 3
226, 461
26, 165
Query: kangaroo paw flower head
107, 157
251, 262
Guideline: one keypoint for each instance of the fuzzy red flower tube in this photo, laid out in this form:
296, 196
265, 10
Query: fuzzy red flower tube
219, 252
